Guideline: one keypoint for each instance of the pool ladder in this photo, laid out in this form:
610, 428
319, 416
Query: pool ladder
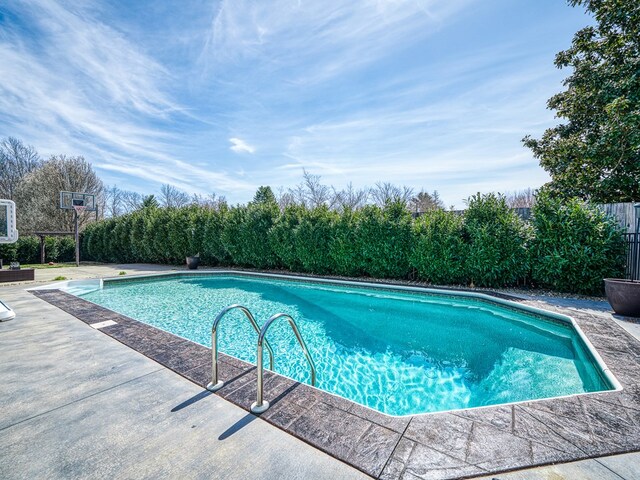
260, 405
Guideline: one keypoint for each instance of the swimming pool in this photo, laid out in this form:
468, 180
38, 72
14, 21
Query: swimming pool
397, 351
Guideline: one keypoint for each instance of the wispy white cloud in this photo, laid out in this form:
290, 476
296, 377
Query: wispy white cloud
458, 143
316, 41
240, 146
346, 89
83, 88
354, 90
101, 55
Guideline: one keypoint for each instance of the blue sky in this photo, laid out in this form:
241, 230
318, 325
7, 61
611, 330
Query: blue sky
225, 96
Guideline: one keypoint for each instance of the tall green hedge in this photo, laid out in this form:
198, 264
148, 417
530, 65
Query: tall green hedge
27, 250
245, 235
486, 246
312, 240
439, 249
282, 237
383, 238
575, 246
497, 239
344, 249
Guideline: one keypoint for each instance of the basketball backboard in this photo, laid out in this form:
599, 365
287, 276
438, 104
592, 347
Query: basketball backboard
69, 200
8, 230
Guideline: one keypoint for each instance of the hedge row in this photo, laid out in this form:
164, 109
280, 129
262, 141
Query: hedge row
569, 247
27, 250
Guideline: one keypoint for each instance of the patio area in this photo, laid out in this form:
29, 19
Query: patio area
79, 404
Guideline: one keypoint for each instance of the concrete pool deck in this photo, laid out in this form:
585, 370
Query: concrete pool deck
69, 411
77, 404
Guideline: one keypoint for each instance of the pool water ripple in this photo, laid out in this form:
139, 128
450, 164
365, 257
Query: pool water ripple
397, 352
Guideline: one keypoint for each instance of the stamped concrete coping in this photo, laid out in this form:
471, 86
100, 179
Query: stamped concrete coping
457, 444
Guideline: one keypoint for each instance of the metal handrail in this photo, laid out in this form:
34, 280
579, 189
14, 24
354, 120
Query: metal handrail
215, 383
260, 404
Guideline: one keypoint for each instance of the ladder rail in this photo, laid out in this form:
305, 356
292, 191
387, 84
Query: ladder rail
216, 383
260, 404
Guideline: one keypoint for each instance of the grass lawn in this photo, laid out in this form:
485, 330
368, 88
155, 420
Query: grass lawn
40, 266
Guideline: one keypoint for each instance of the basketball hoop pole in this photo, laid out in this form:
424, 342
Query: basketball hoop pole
77, 209
77, 239
78, 202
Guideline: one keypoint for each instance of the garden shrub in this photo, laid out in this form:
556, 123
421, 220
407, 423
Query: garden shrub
245, 235
497, 253
198, 219
27, 250
312, 238
9, 252
139, 249
439, 249
383, 236
344, 249
84, 240
575, 247
282, 237
121, 247
156, 234
66, 249
213, 251
50, 250
181, 233
91, 241
107, 243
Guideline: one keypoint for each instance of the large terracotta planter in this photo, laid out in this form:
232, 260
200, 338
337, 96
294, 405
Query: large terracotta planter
623, 295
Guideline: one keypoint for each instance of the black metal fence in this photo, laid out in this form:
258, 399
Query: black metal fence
633, 256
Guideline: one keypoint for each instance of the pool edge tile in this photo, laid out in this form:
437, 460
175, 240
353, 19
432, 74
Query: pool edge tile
400, 445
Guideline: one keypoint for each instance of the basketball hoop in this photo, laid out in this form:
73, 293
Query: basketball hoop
79, 208
8, 232
79, 202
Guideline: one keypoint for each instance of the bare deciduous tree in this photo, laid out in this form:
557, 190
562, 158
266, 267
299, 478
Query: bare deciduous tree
209, 201
119, 202
284, 198
16, 161
310, 193
521, 198
316, 194
38, 195
298, 195
172, 197
131, 200
425, 201
350, 197
385, 193
113, 201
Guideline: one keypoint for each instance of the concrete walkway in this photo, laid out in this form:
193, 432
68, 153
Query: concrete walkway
595, 307
77, 404
46, 275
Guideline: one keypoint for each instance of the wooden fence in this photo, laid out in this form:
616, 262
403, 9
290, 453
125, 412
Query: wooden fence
624, 213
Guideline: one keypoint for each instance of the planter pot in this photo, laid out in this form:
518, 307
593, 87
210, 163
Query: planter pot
193, 262
623, 295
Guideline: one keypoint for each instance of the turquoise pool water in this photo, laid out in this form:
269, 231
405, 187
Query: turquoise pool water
397, 352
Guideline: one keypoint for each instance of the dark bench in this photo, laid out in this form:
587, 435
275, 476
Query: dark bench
21, 275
